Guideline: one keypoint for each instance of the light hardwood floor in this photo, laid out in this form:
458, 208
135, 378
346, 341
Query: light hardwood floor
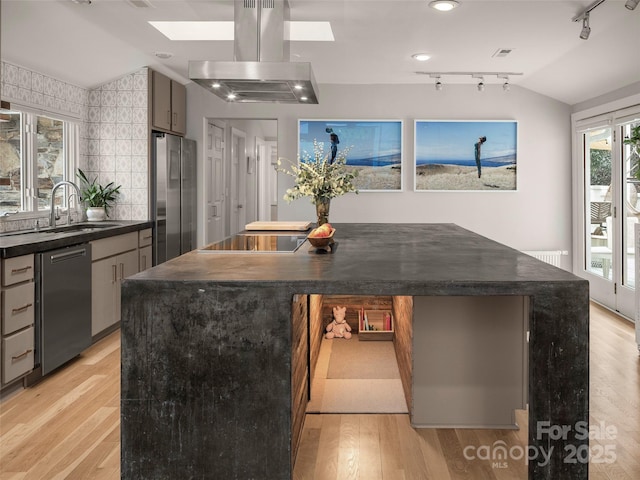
67, 427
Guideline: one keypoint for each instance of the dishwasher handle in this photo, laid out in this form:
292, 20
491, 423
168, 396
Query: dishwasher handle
61, 257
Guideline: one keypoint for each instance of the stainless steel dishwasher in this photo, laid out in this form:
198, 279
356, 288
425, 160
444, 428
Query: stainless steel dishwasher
63, 322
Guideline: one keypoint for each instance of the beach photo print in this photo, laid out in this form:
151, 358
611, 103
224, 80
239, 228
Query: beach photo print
465, 155
372, 148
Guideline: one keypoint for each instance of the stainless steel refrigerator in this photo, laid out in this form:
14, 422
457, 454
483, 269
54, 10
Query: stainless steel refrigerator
174, 196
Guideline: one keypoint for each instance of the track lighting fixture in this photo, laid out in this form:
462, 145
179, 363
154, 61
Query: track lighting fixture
438, 83
505, 86
584, 16
480, 76
586, 29
631, 4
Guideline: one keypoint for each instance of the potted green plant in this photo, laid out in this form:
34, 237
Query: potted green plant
98, 198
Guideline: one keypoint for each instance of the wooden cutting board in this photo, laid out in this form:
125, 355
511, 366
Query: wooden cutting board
298, 226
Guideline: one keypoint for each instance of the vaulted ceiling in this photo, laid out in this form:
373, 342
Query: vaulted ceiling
88, 45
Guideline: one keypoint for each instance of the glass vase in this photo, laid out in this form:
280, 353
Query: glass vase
322, 210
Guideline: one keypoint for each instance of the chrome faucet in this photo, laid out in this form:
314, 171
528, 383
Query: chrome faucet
52, 217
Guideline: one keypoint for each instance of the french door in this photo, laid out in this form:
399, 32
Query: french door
610, 204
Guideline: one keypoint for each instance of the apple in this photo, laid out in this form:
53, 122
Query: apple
320, 232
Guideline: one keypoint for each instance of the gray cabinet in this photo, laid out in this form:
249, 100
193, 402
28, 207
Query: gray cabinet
168, 104
113, 259
145, 252
18, 315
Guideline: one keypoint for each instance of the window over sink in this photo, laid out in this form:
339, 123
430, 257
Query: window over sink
37, 151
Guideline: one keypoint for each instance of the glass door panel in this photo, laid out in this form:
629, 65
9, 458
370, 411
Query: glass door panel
11, 165
631, 162
599, 235
51, 160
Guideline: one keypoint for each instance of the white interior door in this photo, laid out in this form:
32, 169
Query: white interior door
262, 162
272, 175
238, 181
214, 184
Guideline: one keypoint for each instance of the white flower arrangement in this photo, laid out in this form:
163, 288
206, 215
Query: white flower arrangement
318, 178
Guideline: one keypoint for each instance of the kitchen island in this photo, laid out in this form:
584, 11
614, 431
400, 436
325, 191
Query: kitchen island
209, 345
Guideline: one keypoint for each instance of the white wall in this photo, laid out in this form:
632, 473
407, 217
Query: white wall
535, 217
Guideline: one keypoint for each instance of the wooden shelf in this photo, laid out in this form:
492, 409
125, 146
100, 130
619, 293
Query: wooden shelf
381, 321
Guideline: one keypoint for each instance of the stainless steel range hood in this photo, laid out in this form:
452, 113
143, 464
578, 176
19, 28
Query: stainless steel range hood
261, 71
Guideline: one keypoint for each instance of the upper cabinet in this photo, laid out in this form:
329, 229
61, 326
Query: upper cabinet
168, 104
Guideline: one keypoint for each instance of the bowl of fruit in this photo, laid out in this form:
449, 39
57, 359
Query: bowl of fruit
321, 236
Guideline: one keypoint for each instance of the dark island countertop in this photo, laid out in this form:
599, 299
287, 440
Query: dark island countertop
14, 244
374, 254
207, 339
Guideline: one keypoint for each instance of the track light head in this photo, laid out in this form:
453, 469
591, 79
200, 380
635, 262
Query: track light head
481, 85
631, 4
438, 83
506, 86
586, 29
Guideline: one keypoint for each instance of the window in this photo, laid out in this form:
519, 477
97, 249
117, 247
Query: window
36, 151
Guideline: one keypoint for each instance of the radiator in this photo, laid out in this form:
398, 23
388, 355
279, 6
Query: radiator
551, 257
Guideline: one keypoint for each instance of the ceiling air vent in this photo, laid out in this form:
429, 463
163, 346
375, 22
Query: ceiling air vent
502, 52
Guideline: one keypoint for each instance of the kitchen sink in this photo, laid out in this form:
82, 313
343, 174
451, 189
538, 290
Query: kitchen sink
74, 227
80, 227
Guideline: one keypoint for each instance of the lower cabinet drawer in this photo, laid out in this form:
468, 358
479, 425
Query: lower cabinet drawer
17, 269
18, 307
17, 352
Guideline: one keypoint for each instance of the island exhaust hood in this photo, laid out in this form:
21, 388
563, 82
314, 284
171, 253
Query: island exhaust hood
261, 71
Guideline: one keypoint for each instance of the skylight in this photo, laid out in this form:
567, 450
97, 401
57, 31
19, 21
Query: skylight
298, 31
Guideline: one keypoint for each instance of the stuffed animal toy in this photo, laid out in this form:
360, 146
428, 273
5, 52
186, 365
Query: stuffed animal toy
339, 328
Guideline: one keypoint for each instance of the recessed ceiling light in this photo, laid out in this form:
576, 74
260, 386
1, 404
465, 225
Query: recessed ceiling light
163, 55
421, 57
231, 96
82, 2
444, 5
215, 85
304, 99
298, 87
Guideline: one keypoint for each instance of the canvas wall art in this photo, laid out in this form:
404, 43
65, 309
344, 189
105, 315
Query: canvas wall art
465, 155
373, 148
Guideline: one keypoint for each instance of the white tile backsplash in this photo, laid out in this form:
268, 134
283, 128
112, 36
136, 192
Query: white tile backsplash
108, 113
124, 131
124, 99
123, 147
